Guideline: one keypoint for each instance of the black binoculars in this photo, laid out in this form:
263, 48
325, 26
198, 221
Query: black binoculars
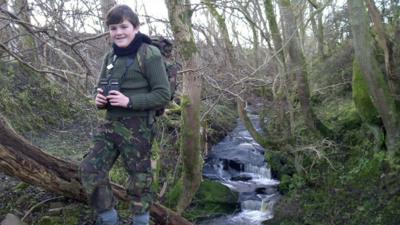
109, 85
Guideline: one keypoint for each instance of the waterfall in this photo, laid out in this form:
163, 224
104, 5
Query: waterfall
238, 163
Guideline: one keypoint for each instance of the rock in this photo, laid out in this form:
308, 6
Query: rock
266, 190
241, 178
214, 192
11, 219
213, 199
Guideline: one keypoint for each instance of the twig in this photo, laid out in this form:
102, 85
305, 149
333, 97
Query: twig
39, 204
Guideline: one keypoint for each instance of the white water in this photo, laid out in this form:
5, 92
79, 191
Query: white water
238, 163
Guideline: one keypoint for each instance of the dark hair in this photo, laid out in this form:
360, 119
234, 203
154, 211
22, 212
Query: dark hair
119, 13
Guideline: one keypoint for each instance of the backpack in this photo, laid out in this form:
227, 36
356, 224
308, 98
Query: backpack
171, 65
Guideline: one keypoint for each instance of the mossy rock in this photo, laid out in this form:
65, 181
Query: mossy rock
212, 199
214, 192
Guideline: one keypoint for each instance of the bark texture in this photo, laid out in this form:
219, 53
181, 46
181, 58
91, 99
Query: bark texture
281, 93
180, 13
19, 158
376, 83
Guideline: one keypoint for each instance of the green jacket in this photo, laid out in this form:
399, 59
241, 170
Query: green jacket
148, 90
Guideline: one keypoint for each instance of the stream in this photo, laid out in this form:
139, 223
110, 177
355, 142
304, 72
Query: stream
238, 163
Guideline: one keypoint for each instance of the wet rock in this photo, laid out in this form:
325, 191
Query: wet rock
241, 178
266, 190
233, 164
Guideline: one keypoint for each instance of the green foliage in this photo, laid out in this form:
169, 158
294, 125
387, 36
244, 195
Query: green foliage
33, 103
173, 195
280, 163
118, 173
339, 114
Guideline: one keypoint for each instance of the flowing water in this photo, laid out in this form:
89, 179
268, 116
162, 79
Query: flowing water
238, 163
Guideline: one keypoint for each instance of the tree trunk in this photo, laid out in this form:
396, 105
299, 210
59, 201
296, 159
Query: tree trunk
4, 27
281, 96
18, 158
298, 67
386, 45
377, 86
317, 28
27, 44
381, 36
180, 13
223, 29
105, 6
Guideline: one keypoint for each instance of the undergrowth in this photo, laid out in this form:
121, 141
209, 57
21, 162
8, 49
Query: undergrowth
350, 179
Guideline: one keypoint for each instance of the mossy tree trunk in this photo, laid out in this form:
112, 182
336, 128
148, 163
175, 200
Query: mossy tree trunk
20, 159
298, 67
365, 107
283, 106
373, 76
387, 46
179, 13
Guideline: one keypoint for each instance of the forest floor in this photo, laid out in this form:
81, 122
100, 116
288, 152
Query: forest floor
39, 207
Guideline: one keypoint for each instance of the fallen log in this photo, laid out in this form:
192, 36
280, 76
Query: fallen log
21, 159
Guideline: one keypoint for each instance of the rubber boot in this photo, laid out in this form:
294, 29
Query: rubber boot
141, 219
109, 217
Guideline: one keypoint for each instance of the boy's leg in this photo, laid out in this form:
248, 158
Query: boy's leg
94, 171
136, 155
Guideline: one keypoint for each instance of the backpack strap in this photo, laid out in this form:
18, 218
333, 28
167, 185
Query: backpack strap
141, 56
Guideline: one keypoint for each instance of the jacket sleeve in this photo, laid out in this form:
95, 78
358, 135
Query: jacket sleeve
159, 93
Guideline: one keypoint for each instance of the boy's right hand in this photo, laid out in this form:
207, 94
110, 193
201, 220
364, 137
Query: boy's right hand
101, 100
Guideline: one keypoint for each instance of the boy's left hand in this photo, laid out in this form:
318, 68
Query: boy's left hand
116, 98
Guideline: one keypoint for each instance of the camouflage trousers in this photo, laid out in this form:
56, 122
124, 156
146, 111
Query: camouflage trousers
131, 139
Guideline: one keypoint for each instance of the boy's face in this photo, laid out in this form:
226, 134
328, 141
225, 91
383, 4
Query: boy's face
122, 34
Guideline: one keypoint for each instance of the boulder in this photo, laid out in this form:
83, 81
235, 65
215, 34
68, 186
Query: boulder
11, 219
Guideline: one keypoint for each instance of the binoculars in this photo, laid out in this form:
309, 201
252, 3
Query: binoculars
109, 85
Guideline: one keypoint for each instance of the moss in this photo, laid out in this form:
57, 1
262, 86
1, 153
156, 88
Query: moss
50, 220
361, 97
339, 115
212, 199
